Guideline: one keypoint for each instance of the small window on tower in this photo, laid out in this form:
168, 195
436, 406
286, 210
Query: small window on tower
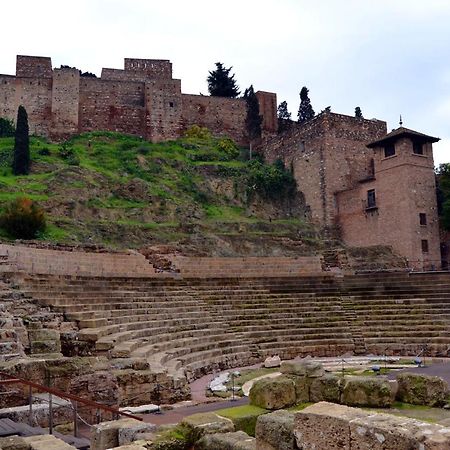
371, 199
417, 148
423, 218
389, 150
171, 104
424, 246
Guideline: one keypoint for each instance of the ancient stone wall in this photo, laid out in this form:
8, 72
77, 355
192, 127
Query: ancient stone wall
113, 106
142, 99
404, 186
223, 116
33, 67
328, 155
65, 102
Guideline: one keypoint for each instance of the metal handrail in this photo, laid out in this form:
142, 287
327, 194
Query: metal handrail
65, 395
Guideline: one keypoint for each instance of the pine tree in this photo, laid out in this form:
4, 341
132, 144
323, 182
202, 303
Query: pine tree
253, 120
305, 111
221, 83
21, 162
284, 117
358, 113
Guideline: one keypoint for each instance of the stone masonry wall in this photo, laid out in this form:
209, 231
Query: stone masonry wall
142, 99
223, 116
328, 155
395, 221
113, 106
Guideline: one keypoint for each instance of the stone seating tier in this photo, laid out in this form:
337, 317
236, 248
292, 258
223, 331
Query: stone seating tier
196, 325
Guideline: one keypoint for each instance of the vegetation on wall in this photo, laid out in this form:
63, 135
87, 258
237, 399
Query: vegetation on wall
284, 117
443, 194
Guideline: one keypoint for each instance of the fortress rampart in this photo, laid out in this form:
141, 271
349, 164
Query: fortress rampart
142, 99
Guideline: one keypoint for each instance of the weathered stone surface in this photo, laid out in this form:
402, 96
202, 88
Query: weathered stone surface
422, 389
13, 443
226, 441
275, 431
367, 391
274, 393
330, 426
198, 425
302, 388
132, 432
131, 447
272, 361
46, 442
106, 434
327, 388
305, 367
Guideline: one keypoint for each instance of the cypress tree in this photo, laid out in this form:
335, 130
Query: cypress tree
284, 117
305, 111
221, 83
21, 162
253, 119
358, 113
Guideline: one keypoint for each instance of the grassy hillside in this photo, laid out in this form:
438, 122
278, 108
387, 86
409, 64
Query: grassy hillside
198, 193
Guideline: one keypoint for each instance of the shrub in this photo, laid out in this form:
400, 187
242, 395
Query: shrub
45, 151
198, 132
270, 181
23, 219
7, 128
230, 149
69, 155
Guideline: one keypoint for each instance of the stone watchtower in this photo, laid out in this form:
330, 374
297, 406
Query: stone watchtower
396, 205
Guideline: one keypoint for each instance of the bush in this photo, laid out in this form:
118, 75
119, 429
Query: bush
198, 132
270, 181
7, 128
227, 146
68, 154
23, 219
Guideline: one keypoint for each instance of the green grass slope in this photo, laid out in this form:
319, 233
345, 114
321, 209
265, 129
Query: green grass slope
199, 194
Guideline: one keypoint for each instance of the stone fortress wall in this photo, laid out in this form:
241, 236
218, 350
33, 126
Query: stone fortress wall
335, 169
142, 99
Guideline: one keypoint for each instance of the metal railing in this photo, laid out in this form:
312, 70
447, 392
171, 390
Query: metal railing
74, 399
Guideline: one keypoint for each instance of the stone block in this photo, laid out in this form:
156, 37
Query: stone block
38, 347
422, 389
327, 388
330, 426
106, 434
43, 334
198, 425
302, 388
272, 361
305, 368
46, 442
13, 443
226, 441
367, 391
132, 432
273, 393
275, 431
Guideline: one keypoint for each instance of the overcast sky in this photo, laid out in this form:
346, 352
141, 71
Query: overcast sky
389, 57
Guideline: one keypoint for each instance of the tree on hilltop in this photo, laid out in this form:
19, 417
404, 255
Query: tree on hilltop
253, 119
284, 117
21, 161
305, 111
221, 83
358, 113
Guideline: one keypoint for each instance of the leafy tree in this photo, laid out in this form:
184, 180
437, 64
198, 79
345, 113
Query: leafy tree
443, 194
221, 83
253, 120
23, 219
305, 111
6, 127
284, 117
358, 113
21, 161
